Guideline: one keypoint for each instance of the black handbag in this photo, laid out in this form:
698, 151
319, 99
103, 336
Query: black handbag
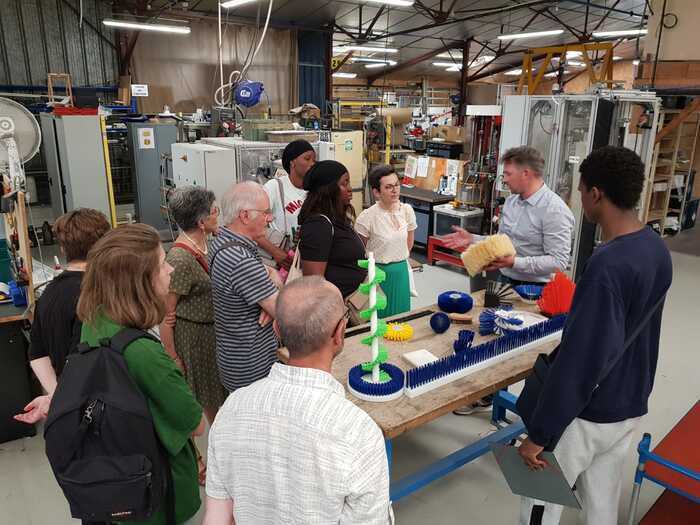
534, 383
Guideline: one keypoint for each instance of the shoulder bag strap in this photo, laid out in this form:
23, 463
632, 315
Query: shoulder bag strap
284, 211
198, 256
122, 339
331, 223
634, 335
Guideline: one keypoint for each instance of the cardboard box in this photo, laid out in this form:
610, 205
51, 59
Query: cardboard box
449, 133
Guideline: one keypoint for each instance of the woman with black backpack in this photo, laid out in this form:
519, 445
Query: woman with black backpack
122, 299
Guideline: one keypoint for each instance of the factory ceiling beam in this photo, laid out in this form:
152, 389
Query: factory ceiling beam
409, 63
374, 21
482, 13
610, 9
605, 17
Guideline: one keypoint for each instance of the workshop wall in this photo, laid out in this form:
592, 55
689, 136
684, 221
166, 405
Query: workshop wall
182, 71
45, 36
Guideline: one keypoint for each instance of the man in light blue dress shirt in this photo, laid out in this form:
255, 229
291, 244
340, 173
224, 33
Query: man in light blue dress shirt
537, 220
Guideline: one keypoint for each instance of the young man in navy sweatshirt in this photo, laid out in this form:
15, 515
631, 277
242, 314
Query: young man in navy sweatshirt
599, 414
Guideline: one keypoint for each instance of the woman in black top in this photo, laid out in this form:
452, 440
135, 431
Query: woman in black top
56, 328
329, 245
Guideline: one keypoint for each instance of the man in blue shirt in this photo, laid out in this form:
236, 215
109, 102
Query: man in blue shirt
595, 406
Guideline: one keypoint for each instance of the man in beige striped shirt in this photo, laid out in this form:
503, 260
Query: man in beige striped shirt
291, 448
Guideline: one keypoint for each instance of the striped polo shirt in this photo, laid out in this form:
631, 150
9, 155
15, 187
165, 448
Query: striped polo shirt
245, 351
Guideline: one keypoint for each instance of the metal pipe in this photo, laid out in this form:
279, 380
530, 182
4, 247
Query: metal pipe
606, 8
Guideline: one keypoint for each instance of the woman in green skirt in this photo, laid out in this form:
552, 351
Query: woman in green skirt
387, 229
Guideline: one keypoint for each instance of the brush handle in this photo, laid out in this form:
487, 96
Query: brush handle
461, 318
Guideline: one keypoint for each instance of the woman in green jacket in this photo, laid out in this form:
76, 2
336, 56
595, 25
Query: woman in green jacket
125, 286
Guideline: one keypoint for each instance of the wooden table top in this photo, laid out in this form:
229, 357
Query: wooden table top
404, 414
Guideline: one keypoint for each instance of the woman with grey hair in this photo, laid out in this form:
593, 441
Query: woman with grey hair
187, 332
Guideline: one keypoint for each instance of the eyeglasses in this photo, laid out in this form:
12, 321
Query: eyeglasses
392, 187
346, 316
267, 212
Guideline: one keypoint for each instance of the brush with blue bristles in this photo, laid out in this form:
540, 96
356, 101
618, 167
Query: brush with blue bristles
464, 341
490, 320
450, 368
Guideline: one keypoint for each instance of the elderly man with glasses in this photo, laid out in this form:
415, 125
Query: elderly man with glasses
291, 448
244, 289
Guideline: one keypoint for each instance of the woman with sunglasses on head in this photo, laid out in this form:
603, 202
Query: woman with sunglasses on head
187, 331
329, 245
387, 229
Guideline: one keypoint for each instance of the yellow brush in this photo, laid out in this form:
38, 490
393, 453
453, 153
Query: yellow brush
479, 255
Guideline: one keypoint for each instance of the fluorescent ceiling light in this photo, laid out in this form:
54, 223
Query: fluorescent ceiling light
455, 68
373, 60
616, 58
368, 49
456, 55
372, 66
570, 54
235, 3
635, 62
514, 72
400, 3
447, 64
479, 61
575, 63
626, 32
536, 34
555, 73
345, 75
161, 28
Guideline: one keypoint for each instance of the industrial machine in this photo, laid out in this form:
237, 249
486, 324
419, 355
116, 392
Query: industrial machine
347, 147
76, 163
203, 165
566, 128
252, 160
150, 142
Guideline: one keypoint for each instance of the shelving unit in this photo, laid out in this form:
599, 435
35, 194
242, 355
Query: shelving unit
673, 158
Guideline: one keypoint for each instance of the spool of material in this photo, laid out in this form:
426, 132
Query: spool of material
398, 115
455, 302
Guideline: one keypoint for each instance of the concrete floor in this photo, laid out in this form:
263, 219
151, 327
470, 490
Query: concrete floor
475, 494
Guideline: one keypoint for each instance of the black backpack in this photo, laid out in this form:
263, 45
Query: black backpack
101, 441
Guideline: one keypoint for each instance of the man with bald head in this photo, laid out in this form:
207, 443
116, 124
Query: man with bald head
243, 289
291, 448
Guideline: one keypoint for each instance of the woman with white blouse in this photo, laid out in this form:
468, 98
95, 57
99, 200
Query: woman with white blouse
387, 229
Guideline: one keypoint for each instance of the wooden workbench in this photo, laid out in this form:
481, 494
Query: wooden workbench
404, 414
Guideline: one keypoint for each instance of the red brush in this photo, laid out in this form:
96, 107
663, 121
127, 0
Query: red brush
557, 296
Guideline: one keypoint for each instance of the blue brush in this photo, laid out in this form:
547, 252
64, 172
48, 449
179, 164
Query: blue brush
452, 367
455, 302
487, 320
365, 389
464, 341
529, 292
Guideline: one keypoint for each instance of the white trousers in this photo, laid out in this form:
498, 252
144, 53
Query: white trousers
591, 455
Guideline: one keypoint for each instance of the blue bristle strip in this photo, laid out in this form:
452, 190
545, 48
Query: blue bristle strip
452, 363
530, 292
356, 381
464, 341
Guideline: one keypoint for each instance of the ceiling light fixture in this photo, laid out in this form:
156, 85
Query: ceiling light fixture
555, 73
235, 3
625, 32
478, 61
635, 62
447, 64
536, 34
160, 28
368, 49
373, 66
344, 75
514, 72
399, 3
616, 58
373, 60
575, 63
454, 68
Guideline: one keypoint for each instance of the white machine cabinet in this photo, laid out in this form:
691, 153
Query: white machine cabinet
203, 165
